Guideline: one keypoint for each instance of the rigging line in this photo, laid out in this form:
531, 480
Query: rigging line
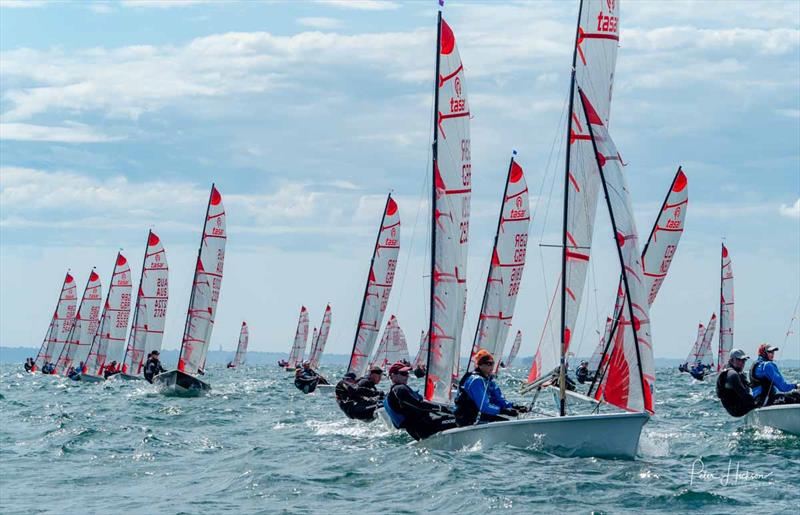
791, 321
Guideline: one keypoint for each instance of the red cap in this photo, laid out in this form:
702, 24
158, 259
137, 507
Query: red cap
399, 367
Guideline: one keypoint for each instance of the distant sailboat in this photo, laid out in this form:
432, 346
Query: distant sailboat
505, 268
725, 309
514, 350
700, 360
299, 345
202, 304
60, 325
241, 349
84, 327
110, 335
392, 347
379, 285
320, 339
150, 312
422, 355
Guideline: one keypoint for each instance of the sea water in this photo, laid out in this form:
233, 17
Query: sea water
255, 444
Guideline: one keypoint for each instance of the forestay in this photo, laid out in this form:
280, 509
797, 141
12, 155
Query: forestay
300, 340
594, 61
205, 288
321, 339
514, 349
84, 327
505, 268
60, 324
110, 336
725, 310
452, 187
378, 287
630, 381
149, 315
241, 349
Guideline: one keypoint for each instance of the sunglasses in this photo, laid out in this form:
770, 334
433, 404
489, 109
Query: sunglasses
487, 363
402, 373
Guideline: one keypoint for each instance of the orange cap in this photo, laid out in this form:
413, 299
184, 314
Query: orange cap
483, 355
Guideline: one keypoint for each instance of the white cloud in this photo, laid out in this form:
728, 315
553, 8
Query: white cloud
22, 4
162, 4
320, 22
70, 133
100, 7
789, 113
792, 211
361, 5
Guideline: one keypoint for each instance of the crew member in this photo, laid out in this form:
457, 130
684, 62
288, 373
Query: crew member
29, 365
479, 398
153, 366
305, 379
408, 410
732, 387
48, 368
582, 373
363, 395
111, 370
769, 386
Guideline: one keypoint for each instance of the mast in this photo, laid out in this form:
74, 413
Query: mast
628, 299
132, 334
562, 371
435, 155
489, 275
194, 280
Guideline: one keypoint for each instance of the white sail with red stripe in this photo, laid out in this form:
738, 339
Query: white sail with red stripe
84, 327
422, 353
241, 348
451, 193
505, 267
392, 347
630, 381
300, 340
150, 312
596, 361
321, 339
704, 354
514, 350
60, 324
695, 355
378, 287
594, 62
205, 288
725, 310
110, 336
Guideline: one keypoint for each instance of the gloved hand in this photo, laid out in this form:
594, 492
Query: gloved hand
521, 408
511, 412
445, 409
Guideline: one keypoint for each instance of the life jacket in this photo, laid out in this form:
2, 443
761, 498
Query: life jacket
755, 381
397, 418
467, 412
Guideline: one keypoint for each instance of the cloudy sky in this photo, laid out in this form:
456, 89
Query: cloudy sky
116, 117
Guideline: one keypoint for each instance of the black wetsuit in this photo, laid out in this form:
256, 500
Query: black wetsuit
306, 380
152, 368
582, 374
28, 366
733, 391
422, 418
359, 401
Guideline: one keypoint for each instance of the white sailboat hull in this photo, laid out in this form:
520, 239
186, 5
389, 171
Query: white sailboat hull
784, 417
614, 435
180, 384
126, 377
381, 415
326, 387
89, 378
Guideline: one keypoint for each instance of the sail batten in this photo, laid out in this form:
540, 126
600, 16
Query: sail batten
378, 288
450, 206
60, 324
205, 287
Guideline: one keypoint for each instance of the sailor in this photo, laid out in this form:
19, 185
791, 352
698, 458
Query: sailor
408, 410
230, 364
111, 369
72, 372
29, 365
343, 392
419, 372
48, 368
153, 366
769, 386
368, 386
479, 399
363, 395
732, 387
683, 367
305, 379
582, 373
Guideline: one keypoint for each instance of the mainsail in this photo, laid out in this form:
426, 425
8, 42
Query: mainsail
241, 348
422, 353
450, 205
60, 324
378, 287
322, 338
505, 267
514, 349
300, 339
725, 310
631, 378
704, 354
149, 315
205, 288
695, 355
593, 63
392, 347
84, 327
596, 361
110, 336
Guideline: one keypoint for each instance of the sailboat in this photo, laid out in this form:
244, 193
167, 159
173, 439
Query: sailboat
725, 309
150, 312
87, 319
60, 325
299, 345
202, 305
110, 335
422, 355
590, 162
392, 347
505, 268
509, 361
309, 383
378, 287
241, 348
701, 351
